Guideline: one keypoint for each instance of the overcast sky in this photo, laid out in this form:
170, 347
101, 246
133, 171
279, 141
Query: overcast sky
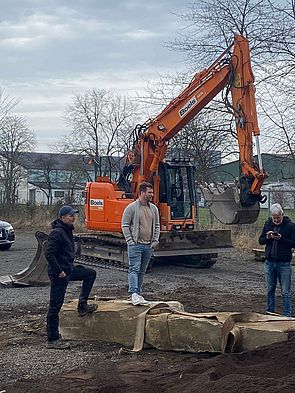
51, 49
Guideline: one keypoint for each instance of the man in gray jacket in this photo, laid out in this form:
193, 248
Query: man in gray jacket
141, 229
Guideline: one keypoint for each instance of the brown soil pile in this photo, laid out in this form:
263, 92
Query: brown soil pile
268, 370
235, 283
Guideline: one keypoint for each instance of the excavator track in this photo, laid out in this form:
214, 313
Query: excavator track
105, 250
89, 241
109, 237
194, 249
101, 263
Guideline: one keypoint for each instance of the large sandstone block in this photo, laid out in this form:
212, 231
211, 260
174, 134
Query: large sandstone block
166, 326
183, 333
255, 335
114, 321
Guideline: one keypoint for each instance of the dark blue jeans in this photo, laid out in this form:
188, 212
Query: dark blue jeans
57, 294
274, 272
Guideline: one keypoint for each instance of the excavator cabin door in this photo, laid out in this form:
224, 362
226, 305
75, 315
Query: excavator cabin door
177, 191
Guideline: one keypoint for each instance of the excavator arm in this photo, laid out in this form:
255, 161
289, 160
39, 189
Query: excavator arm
231, 71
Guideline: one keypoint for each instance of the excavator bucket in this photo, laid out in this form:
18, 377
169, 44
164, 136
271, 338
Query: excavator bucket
225, 204
35, 274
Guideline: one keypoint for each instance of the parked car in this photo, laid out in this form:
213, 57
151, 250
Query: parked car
7, 235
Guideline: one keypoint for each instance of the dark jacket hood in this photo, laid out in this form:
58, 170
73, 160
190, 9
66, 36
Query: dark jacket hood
60, 224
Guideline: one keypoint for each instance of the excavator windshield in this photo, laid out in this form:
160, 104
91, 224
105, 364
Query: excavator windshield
177, 189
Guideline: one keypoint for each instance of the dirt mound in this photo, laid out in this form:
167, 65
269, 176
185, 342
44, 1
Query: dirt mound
235, 283
270, 369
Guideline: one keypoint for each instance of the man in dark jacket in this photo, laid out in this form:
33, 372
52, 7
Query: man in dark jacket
278, 236
60, 255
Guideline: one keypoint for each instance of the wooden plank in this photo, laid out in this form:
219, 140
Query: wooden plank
259, 255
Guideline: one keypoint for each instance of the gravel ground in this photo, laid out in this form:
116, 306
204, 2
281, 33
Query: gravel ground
234, 283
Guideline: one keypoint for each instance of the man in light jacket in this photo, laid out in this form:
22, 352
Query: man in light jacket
141, 229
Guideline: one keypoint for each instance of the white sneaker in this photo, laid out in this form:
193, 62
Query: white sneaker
136, 299
143, 302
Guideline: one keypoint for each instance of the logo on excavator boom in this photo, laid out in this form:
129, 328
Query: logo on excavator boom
96, 204
188, 106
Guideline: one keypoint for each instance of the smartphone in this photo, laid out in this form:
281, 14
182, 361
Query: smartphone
275, 233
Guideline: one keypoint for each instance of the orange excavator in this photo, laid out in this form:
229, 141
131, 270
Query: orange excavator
173, 181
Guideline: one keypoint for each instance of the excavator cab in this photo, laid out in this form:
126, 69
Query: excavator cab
177, 188
177, 195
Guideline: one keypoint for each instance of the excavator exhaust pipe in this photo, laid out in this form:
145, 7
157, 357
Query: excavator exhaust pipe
224, 203
35, 274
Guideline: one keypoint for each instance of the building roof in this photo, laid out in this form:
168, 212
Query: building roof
61, 161
57, 185
278, 166
58, 161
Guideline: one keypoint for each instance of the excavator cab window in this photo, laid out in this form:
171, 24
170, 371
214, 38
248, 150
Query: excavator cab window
176, 189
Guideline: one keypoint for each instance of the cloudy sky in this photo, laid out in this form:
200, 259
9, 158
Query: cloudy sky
51, 49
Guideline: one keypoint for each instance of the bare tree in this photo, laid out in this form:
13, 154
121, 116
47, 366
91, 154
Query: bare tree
212, 24
278, 110
76, 174
46, 177
7, 103
16, 138
279, 40
207, 141
269, 26
100, 122
283, 197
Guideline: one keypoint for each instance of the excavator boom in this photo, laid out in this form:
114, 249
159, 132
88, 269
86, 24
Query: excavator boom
231, 71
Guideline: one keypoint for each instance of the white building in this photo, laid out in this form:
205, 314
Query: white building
49, 178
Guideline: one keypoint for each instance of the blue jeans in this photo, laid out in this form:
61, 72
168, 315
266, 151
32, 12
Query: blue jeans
278, 271
139, 256
58, 287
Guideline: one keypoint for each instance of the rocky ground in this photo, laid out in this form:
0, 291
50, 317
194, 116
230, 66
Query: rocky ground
235, 283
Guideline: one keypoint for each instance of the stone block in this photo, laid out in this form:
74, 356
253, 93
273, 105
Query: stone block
166, 326
113, 321
184, 333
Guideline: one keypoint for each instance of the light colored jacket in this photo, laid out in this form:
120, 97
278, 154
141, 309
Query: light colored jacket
130, 223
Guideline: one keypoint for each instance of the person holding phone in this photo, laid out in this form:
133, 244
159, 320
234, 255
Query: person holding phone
278, 236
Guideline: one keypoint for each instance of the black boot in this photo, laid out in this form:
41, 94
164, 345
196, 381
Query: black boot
58, 344
84, 308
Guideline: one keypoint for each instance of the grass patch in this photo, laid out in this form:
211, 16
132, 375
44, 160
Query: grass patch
35, 217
